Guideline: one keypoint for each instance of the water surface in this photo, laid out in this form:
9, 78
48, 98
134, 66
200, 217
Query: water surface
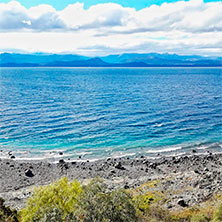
97, 112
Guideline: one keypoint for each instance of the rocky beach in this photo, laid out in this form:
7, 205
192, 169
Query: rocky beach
185, 180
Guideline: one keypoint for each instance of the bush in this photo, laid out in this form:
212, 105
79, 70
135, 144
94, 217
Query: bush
149, 203
200, 217
69, 202
99, 205
58, 199
7, 214
218, 214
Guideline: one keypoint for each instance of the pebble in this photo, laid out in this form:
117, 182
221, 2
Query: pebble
182, 203
29, 173
119, 166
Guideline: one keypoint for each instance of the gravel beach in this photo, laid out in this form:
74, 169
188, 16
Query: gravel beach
186, 180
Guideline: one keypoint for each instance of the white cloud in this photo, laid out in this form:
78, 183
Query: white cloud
181, 27
13, 16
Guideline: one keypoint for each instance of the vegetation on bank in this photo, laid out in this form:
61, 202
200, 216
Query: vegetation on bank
65, 201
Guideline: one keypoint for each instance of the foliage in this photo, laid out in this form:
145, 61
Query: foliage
59, 197
218, 214
200, 217
7, 214
65, 201
149, 203
99, 205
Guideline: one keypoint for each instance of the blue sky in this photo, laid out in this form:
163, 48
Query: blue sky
61, 4
101, 27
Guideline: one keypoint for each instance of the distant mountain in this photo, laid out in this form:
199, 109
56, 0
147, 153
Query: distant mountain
38, 58
124, 60
94, 62
164, 59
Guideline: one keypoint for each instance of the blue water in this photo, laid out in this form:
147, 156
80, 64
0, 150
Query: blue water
97, 112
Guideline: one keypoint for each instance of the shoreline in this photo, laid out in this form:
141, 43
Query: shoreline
53, 156
193, 177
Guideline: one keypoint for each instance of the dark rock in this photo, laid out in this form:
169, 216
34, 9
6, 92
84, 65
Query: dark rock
119, 166
194, 151
113, 171
29, 173
209, 153
182, 203
80, 157
60, 153
61, 161
142, 157
12, 157
66, 166
210, 157
100, 169
196, 171
195, 184
153, 165
176, 161
126, 186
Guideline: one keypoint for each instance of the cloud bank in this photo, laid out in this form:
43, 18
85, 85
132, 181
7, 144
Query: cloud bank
182, 27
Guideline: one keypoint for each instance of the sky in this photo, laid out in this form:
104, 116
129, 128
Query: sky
103, 27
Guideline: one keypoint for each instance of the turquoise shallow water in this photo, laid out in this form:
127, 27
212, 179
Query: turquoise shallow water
96, 112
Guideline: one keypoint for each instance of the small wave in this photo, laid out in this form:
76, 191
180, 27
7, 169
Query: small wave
170, 149
158, 124
123, 155
203, 147
209, 146
84, 153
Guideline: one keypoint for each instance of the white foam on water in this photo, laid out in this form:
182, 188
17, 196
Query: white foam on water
84, 153
122, 155
169, 149
203, 147
158, 124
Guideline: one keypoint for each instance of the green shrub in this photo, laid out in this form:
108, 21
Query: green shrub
69, 202
7, 214
218, 214
65, 201
200, 217
149, 203
59, 197
99, 205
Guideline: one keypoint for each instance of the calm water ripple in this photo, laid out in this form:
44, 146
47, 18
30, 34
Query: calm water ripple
98, 112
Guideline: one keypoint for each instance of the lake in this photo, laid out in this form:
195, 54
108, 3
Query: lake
109, 112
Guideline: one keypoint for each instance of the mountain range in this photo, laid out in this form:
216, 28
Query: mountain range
123, 60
